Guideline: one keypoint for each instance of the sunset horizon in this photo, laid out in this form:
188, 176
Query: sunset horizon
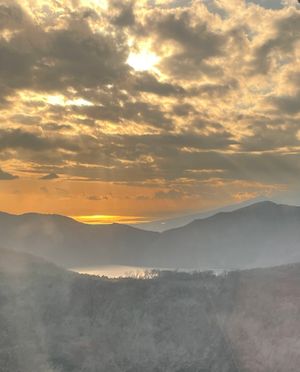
148, 109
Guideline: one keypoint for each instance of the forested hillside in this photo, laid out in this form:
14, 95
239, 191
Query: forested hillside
54, 320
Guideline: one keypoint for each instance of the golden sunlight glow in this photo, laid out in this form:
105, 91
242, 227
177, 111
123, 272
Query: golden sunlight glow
56, 100
62, 101
96, 3
142, 61
103, 219
78, 102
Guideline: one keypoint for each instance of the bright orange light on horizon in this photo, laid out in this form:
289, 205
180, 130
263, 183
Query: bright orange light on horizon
103, 219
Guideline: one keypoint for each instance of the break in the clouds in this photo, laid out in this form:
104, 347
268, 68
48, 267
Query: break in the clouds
183, 100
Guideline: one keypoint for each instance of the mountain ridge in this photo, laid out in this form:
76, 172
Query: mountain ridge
256, 232
259, 235
183, 220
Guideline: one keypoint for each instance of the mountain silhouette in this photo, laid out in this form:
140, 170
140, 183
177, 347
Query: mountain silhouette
259, 235
262, 234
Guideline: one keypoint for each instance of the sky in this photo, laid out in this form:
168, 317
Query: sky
129, 111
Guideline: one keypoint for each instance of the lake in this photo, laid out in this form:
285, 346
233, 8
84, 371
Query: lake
121, 271
114, 271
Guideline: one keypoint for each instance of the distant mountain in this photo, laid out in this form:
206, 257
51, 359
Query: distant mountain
173, 223
262, 234
69, 243
56, 321
259, 235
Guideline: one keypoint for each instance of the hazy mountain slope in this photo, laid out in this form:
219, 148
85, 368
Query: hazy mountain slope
55, 321
176, 222
69, 243
263, 234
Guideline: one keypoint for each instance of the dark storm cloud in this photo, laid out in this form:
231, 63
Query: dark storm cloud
5, 176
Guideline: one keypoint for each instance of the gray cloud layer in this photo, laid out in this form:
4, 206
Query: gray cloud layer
222, 103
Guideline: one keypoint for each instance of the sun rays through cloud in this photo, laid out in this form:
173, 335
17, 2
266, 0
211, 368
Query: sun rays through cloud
149, 108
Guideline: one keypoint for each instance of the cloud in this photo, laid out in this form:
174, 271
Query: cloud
288, 104
97, 198
170, 194
59, 58
50, 176
56, 127
20, 139
193, 44
284, 40
268, 4
146, 82
125, 13
5, 176
26, 119
12, 16
220, 105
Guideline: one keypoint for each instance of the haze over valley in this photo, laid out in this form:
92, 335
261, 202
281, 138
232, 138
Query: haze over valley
259, 235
